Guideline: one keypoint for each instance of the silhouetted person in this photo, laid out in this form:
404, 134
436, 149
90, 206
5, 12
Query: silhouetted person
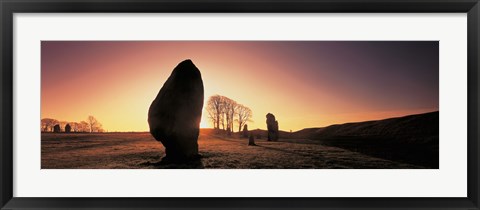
56, 128
245, 131
272, 126
68, 128
174, 116
251, 140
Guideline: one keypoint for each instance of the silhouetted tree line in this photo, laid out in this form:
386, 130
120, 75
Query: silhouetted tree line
90, 125
225, 112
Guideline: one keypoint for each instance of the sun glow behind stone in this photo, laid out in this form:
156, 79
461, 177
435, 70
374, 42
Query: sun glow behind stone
303, 84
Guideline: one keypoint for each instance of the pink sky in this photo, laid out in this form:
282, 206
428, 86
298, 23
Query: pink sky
304, 84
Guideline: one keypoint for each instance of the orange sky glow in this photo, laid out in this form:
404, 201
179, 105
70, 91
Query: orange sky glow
304, 84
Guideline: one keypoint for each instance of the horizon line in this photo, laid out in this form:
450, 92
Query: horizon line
264, 129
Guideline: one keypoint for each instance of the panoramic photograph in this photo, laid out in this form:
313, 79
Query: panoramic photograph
239, 105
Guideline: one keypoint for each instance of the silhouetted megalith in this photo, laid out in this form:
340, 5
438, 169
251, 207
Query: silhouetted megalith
251, 140
174, 116
56, 128
272, 126
245, 131
68, 128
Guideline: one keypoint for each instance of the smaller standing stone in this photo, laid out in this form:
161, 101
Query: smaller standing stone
251, 140
56, 128
245, 131
272, 126
68, 128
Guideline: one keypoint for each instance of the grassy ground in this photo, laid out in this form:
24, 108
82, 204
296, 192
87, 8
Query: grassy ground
141, 150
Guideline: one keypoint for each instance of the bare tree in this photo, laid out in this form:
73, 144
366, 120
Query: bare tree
244, 115
98, 128
47, 124
223, 112
229, 109
75, 126
222, 119
83, 126
62, 125
232, 111
44, 125
214, 109
92, 123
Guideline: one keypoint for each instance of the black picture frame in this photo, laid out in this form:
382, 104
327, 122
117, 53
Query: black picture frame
9, 7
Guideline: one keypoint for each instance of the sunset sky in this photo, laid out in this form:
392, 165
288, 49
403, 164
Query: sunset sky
303, 83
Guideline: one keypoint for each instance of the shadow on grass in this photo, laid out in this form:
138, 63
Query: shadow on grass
425, 155
166, 164
299, 153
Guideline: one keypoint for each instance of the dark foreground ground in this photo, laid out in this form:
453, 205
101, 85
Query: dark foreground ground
140, 150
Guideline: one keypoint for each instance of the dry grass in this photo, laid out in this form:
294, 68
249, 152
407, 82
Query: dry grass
140, 150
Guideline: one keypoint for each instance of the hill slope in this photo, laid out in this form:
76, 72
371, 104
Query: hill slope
411, 139
420, 128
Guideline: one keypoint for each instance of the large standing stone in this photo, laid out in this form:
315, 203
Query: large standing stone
174, 116
272, 126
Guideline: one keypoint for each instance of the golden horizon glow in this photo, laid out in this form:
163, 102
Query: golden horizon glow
117, 81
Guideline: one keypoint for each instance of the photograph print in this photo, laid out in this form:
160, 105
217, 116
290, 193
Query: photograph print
239, 105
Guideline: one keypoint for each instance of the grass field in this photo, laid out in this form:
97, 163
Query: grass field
141, 150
